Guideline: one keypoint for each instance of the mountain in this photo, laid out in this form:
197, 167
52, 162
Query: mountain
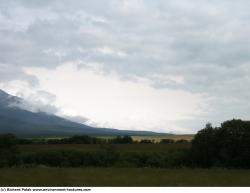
21, 122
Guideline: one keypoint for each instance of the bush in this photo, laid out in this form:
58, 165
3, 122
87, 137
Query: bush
167, 141
121, 140
146, 141
8, 150
182, 141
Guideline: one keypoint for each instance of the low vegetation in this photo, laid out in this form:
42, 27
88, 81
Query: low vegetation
84, 151
227, 146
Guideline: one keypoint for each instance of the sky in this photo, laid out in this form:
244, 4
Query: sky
163, 65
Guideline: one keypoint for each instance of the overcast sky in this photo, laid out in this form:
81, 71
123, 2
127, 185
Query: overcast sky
162, 65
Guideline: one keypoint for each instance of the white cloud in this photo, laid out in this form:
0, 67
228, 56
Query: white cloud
111, 102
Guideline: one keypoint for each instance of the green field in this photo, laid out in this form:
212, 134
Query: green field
122, 177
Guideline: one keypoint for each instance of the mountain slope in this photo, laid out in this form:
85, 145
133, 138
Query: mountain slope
26, 123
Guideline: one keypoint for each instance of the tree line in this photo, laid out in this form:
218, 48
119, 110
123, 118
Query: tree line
225, 146
85, 139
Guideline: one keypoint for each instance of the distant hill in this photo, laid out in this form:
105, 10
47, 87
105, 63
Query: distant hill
20, 122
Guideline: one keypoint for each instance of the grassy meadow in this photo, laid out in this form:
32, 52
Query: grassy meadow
123, 177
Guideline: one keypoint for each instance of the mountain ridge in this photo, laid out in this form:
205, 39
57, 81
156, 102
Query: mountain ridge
21, 122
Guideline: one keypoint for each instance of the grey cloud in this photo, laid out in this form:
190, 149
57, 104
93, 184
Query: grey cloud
78, 119
39, 101
204, 42
9, 72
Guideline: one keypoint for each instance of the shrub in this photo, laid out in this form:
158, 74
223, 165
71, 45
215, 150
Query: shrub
167, 141
8, 150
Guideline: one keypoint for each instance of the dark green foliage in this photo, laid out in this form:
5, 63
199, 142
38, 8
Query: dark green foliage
24, 141
146, 141
104, 155
103, 158
8, 150
228, 145
85, 139
167, 141
234, 144
203, 151
121, 140
78, 139
181, 141
7, 141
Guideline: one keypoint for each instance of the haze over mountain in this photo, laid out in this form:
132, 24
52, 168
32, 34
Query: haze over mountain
21, 122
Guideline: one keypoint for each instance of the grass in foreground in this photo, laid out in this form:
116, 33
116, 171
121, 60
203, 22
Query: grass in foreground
122, 177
